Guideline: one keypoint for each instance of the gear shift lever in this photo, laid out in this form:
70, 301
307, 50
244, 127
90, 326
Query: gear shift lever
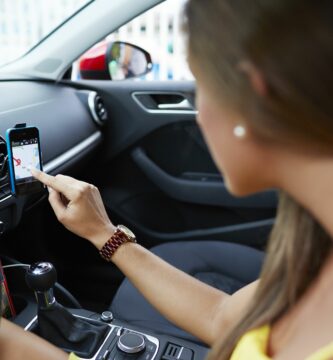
55, 323
41, 277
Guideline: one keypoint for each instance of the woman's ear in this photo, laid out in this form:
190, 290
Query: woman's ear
255, 77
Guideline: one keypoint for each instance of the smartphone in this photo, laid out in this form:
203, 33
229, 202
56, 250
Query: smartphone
24, 153
7, 309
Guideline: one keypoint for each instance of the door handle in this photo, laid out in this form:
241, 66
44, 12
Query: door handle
183, 105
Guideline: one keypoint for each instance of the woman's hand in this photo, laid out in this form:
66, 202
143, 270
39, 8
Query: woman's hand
78, 206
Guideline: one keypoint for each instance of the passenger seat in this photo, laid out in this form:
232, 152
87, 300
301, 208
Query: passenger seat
225, 266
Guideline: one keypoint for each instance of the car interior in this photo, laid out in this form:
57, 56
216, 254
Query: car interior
139, 143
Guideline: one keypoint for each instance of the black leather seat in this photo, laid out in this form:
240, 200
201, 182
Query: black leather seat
225, 266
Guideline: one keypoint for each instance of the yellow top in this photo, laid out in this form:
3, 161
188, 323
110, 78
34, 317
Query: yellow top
72, 356
253, 345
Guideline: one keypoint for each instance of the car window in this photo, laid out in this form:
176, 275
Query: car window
24, 23
159, 32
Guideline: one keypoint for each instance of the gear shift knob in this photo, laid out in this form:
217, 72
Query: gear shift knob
41, 277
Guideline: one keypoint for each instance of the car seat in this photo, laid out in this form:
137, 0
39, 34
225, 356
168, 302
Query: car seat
226, 266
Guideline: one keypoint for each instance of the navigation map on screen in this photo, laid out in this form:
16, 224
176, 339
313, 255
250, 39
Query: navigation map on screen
25, 157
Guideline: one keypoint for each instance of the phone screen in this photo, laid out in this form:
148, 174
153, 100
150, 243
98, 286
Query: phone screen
24, 155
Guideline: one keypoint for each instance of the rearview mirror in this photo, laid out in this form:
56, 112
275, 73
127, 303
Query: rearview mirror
116, 60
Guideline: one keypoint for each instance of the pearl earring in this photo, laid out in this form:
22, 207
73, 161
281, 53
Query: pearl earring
239, 131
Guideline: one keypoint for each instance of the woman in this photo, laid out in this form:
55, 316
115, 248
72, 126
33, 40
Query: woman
17, 344
264, 71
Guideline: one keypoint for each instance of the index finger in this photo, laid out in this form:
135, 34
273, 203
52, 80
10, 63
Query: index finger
60, 184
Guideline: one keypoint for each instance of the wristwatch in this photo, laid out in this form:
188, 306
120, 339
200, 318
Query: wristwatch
121, 236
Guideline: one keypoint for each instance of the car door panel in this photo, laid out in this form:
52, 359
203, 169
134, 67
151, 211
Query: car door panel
157, 175
201, 188
130, 122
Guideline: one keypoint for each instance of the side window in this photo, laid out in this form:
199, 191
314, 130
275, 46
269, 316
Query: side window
159, 32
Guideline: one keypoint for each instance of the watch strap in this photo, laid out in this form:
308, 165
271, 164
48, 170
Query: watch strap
111, 246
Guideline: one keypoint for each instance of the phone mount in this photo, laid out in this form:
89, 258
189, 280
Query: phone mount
20, 126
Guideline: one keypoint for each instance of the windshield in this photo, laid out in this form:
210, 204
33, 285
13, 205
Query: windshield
24, 23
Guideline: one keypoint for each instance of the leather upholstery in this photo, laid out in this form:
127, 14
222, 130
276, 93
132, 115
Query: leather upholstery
225, 266
58, 326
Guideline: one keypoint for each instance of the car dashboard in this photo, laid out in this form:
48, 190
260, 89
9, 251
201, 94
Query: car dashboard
70, 123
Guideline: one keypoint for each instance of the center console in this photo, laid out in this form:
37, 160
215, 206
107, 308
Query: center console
125, 342
90, 335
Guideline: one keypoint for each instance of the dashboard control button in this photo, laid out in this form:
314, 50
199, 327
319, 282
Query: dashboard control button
131, 343
106, 355
120, 331
151, 347
107, 316
148, 356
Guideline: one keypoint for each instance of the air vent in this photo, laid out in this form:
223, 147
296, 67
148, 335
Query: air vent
97, 108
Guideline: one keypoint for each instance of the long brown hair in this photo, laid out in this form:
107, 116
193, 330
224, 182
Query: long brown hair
291, 43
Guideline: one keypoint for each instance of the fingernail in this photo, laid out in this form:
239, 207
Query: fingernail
49, 189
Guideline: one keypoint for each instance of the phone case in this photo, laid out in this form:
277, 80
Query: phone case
10, 162
10, 155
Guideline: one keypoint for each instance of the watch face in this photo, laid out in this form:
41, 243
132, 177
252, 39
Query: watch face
126, 231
